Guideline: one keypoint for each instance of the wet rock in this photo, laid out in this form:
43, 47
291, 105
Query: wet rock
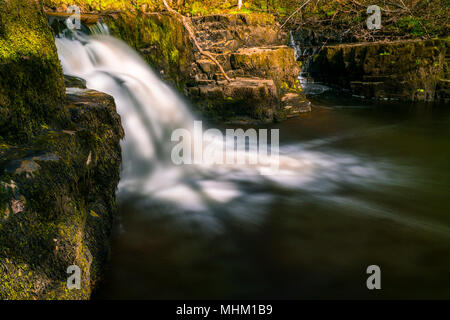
162, 41
241, 98
411, 70
261, 68
294, 104
74, 82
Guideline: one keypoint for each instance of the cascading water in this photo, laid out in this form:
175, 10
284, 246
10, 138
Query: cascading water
306, 54
250, 223
151, 111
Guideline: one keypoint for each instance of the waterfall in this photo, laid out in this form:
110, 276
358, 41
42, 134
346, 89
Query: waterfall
151, 111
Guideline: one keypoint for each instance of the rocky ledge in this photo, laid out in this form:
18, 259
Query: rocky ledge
264, 72
410, 70
251, 49
57, 200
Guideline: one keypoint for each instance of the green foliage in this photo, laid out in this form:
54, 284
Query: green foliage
411, 25
104, 5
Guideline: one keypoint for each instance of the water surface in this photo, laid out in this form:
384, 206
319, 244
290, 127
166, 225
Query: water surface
373, 189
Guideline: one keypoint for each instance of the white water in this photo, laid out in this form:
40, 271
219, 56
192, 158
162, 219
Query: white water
150, 111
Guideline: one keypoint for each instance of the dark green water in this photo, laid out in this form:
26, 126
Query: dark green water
381, 195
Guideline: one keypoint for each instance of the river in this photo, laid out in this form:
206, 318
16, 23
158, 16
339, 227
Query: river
369, 185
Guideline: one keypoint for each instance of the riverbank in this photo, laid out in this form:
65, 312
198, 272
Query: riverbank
253, 47
59, 165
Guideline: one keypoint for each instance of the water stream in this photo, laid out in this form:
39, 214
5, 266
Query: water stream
360, 184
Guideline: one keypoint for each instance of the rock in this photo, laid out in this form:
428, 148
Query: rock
246, 46
276, 63
252, 98
62, 15
48, 189
207, 66
294, 104
17, 206
74, 82
162, 41
410, 70
240, 30
261, 73
31, 80
443, 90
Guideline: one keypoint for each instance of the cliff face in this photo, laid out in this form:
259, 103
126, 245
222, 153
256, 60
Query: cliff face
59, 165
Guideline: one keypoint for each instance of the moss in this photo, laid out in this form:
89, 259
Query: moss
31, 82
162, 41
406, 70
54, 229
276, 63
104, 5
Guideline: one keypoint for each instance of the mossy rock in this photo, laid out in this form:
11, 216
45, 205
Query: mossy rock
277, 63
404, 70
57, 202
31, 80
161, 40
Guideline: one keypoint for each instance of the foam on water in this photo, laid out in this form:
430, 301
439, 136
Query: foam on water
151, 111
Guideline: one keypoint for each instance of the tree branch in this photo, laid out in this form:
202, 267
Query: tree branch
189, 28
294, 13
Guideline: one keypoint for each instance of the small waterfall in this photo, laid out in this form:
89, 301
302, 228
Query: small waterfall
305, 51
151, 111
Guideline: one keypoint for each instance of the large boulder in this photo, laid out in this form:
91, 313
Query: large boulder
249, 99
